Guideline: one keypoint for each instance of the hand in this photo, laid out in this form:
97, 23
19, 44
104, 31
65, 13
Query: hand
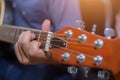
28, 50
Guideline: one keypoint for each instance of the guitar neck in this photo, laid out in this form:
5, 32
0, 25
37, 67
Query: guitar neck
10, 34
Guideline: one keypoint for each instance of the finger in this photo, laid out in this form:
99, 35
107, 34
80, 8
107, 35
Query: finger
35, 50
26, 37
22, 46
25, 40
36, 54
24, 56
46, 25
18, 55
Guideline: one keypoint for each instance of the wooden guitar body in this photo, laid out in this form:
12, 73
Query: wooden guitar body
2, 10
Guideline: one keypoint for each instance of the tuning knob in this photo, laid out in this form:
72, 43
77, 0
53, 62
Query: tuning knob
81, 58
72, 69
98, 60
98, 43
65, 56
82, 38
103, 74
68, 34
109, 33
80, 24
94, 29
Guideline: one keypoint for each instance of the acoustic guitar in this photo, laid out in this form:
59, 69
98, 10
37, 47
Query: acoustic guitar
71, 46
2, 10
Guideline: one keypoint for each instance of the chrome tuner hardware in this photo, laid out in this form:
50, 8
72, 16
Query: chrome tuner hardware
98, 43
80, 24
65, 56
103, 74
68, 34
98, 60
87, 69
109, 33
72, 69
94, 29
82, 38
81, 58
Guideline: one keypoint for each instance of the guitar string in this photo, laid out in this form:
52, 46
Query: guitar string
70, 50
76, 52
72, 42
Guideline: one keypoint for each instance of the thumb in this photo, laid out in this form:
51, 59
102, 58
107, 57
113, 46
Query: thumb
46, 25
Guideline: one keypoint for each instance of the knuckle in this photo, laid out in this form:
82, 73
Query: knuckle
19, 60
25, 61
32, 54
15, 46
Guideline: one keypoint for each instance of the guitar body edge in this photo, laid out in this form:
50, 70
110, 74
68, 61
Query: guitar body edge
2, 11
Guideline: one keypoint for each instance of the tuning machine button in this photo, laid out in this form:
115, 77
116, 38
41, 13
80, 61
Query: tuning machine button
68, 34
98, 43
81, 58
72, 69
98, 60
103, 74
109, 33
82, 38
80, 24
65, 56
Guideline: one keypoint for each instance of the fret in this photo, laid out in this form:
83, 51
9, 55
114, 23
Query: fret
39, 36
11, 34
16, 35
43, 39
14, 32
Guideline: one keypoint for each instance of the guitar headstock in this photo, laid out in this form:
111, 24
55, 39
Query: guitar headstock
82, 48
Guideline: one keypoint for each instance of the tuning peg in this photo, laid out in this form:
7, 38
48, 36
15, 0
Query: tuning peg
98, 60
72, 69
87, 69
68, 34
103, 74
65, 56
82, 38
98, 43
109, 33
93, 28
81, 58
80, 24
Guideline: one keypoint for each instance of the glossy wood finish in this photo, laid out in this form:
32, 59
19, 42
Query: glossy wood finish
109, 52
116, 51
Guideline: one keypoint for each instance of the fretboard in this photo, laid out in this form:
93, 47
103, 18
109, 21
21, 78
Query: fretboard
9, 33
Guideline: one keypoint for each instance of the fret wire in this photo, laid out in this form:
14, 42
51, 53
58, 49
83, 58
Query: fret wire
18, 31
39, 36
8, 32
15, 32
12, 33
